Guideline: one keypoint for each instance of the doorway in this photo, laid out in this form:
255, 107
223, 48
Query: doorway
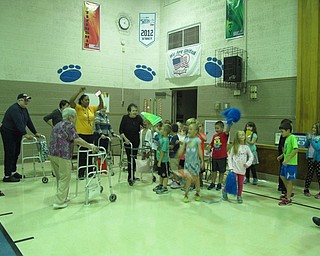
184, 104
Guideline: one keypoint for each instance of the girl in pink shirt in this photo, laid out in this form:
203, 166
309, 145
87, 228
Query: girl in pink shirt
240, 158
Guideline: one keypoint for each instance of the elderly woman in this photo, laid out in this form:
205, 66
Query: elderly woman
103, 128
63, 137
129, 130
85, 122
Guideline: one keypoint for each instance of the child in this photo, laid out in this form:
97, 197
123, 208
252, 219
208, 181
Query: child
203, 137
218, 146
240, 158
282, 140
290, 162
193, 160
182, 135
155, 130
251, 139
313, 158
174, 146
163, 160
145, 138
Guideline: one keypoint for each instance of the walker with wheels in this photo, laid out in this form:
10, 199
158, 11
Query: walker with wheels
93, 186
39, 152
143, 160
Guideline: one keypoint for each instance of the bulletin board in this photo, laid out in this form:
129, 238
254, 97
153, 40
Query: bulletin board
209, 128
94, 100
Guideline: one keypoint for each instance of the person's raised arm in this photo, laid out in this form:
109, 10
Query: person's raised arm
101, 104
227, 129
74, 96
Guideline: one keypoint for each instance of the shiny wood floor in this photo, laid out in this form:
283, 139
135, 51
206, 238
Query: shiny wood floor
141, 222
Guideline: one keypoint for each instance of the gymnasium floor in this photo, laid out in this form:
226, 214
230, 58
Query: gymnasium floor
141, 222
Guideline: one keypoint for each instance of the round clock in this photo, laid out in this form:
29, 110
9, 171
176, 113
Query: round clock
124, 23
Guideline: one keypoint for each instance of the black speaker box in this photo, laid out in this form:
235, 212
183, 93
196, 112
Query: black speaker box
232, 69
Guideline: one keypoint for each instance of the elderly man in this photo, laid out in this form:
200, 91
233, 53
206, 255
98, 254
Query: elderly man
13, 129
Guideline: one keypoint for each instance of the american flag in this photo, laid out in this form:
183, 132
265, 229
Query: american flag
181, 62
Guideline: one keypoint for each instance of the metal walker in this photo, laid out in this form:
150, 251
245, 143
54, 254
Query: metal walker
93, 185
38, 152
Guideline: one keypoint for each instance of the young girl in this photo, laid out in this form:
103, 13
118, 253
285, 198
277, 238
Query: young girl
313, 158
203, 137
240, 158
145, 138
193, 160
251, 139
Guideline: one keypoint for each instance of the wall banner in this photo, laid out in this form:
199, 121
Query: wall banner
147, 28
91, 26
234, 18
183, 62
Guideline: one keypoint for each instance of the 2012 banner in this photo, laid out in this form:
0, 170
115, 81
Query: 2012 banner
234, 18
91, 26
147, 28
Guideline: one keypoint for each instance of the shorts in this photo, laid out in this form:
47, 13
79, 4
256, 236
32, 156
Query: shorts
163, 170
289, 172
219, 165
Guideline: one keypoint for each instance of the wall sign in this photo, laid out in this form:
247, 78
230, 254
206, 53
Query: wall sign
91, 26
147, 28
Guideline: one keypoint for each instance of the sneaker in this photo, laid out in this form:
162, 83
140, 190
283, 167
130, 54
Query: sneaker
239, 199
285, 196
186, 199
197, 197
156, 188
130, 182
317, 196
306, 192
1, 193
218, 186
316, 221
171, 183
59, 206
162, 191
175, 185
10, 179
211, 186
224, 195
255, 181
18, 175
246, 181
285, 202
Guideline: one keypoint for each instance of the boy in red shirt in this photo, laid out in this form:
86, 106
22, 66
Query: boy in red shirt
218, 146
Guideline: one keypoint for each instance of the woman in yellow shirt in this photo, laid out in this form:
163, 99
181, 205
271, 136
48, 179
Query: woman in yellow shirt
85, 122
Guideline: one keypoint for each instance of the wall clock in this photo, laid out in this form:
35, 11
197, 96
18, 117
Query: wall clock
124, 23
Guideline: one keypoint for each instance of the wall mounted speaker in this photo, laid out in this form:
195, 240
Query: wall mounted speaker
232, 69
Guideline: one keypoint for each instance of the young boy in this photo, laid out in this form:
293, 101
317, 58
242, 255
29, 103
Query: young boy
218, 146
290, 162
163, 160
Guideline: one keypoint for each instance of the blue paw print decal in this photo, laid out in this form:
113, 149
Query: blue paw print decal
144, 73
214, 67
69, 73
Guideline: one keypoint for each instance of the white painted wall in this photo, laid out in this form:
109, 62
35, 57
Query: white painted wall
39, 37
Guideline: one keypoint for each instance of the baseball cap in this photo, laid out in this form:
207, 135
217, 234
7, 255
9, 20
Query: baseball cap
23, 96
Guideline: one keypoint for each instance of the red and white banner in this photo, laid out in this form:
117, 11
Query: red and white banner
91, 26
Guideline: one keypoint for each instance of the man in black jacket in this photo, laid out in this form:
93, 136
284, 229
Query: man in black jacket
13, 128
